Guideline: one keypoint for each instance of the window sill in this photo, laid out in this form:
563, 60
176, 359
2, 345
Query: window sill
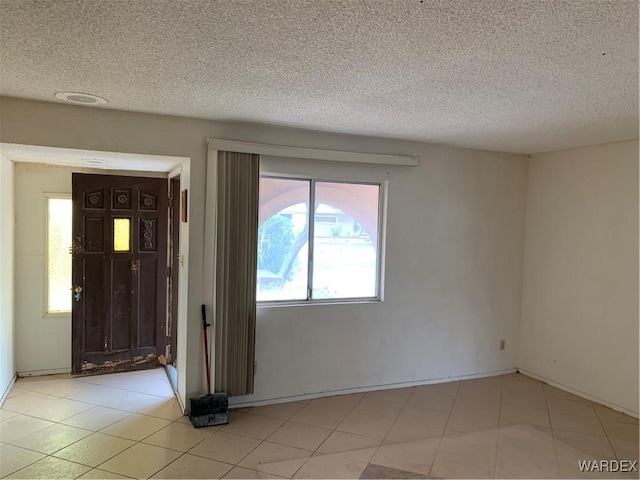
309, 303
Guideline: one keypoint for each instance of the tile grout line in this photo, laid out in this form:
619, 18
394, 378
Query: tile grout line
455, 399
136, 442
237, 464
28, 465
404, 405
495, 460
51, 455
606, 434
188, 451
170, 463
334, 429
553, 437
100, 429
55, 451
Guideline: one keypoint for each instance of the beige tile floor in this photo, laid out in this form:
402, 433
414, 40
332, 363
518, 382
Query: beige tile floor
130, 426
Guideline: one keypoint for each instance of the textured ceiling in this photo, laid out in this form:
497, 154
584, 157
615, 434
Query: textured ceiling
506, 75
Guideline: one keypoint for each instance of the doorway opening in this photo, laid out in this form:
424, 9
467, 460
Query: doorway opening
43, 340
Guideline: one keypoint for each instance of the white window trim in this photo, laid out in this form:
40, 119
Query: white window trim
312, 153
47, 314
381, 250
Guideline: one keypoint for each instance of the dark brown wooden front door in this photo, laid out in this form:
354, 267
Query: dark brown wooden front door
119, 273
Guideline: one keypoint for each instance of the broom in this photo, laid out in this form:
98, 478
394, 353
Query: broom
210, 409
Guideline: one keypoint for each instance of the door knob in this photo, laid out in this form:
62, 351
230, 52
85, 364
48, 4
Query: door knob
77, 289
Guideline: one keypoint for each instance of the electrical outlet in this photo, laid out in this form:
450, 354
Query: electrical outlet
502, 344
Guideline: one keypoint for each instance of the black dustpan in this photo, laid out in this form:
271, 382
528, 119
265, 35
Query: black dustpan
210, 409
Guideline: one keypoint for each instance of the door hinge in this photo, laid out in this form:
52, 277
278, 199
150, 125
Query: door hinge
168, 272
170, 202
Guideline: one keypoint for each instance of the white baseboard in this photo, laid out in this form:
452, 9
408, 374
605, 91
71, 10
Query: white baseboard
578, 393
237, 402
8, 389
37, 373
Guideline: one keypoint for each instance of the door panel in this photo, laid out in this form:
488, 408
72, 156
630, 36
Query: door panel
147, 275
94, 275
119, 272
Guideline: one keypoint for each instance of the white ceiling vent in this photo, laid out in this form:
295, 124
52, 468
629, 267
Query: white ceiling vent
80, 98
93, 161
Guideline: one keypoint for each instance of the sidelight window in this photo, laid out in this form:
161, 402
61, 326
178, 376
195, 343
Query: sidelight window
59, 238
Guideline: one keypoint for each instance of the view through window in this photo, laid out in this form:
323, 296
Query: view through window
329, 251
59, 255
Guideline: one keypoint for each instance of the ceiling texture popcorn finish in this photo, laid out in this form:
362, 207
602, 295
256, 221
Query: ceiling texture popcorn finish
505, 75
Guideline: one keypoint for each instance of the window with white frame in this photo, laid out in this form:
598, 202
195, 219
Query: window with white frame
318, 240
59, 237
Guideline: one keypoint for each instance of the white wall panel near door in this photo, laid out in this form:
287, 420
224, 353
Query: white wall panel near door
43, 342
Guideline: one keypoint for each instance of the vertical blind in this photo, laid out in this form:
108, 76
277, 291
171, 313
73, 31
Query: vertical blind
235, 275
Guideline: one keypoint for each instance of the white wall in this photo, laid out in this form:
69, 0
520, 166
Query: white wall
43, 342
454, 261
7, 357
455, 228
580, 293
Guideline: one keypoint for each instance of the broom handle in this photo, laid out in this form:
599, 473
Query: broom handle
206, 347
